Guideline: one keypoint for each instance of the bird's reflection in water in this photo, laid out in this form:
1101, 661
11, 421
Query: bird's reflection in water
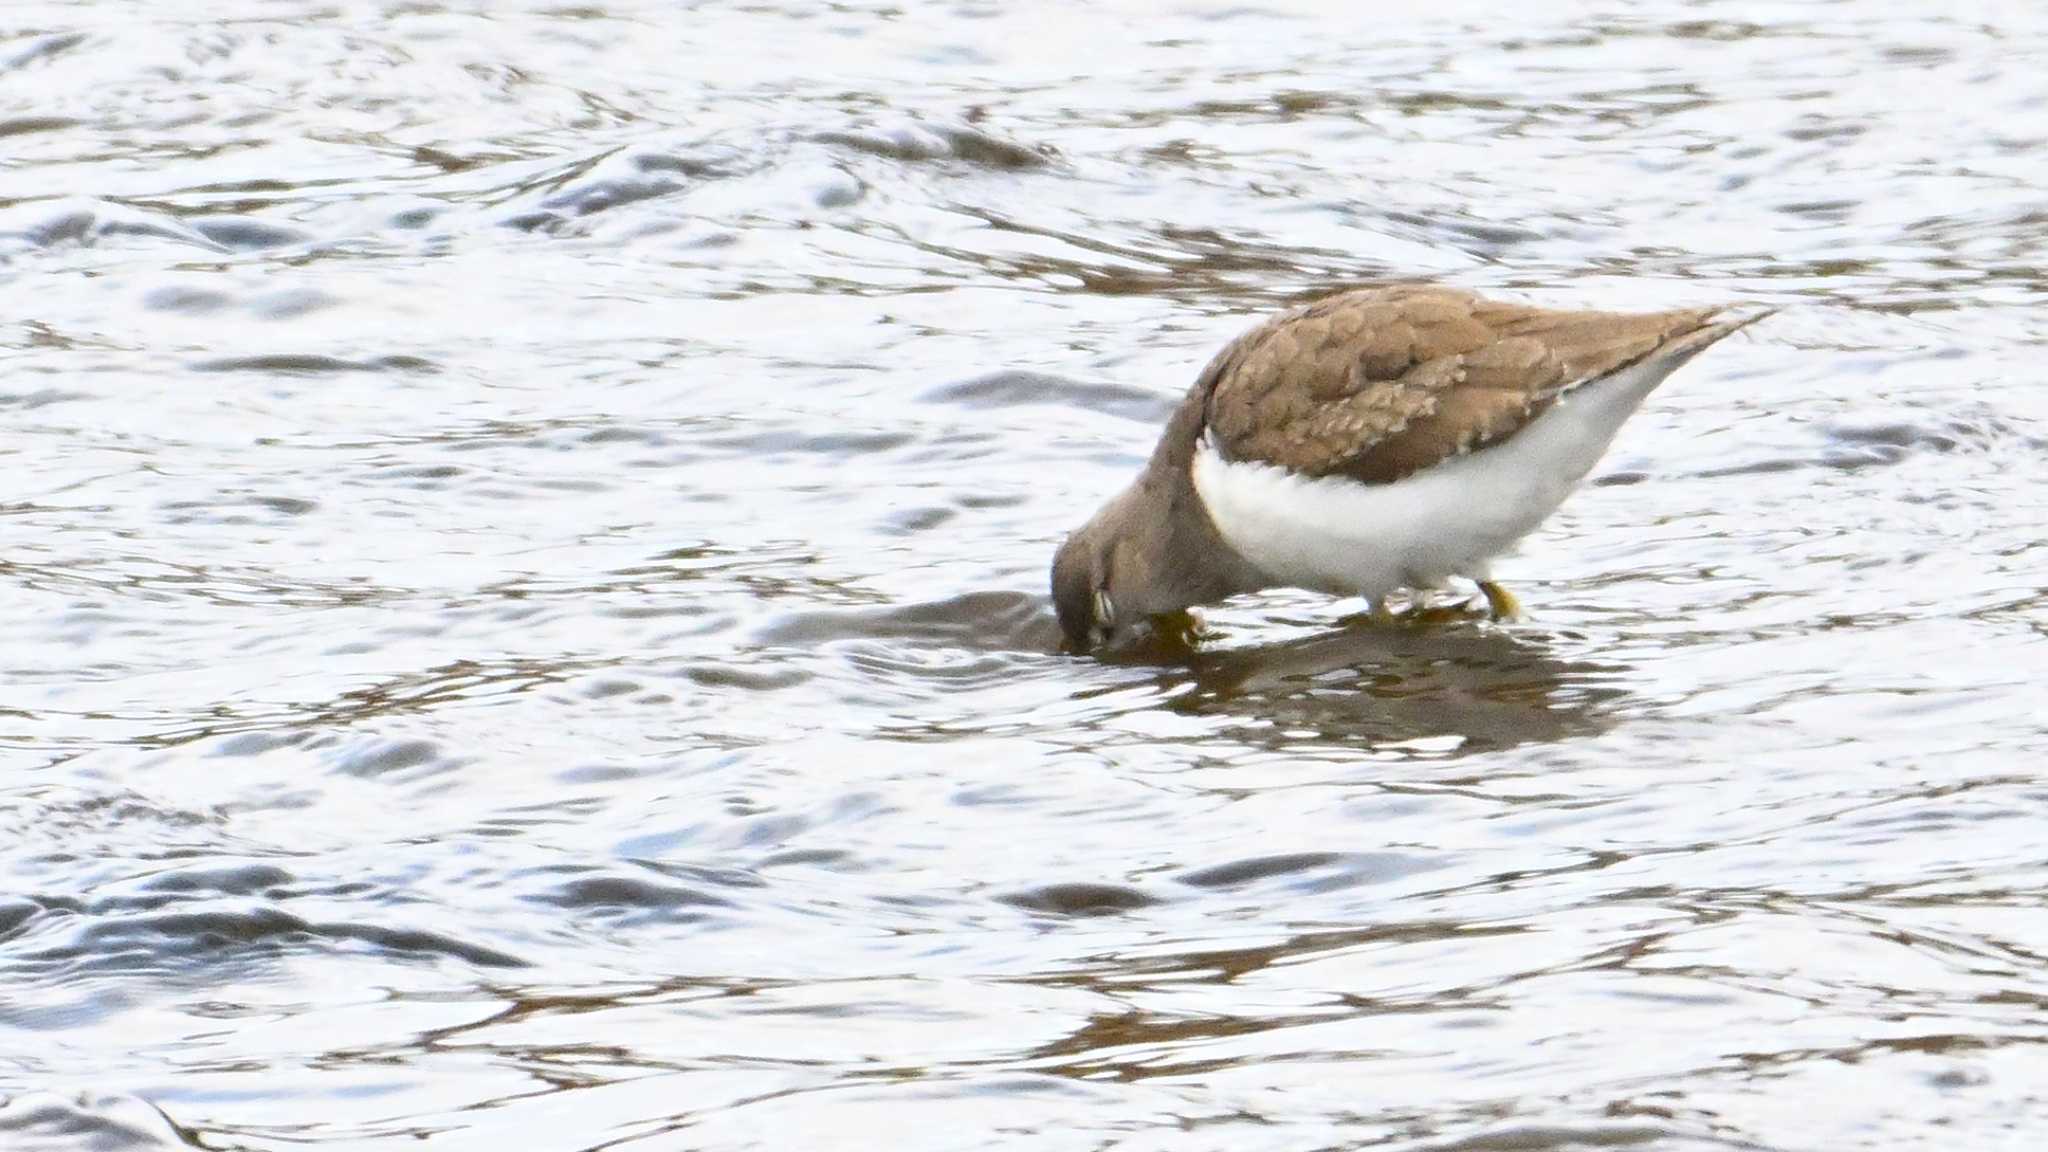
1369, 685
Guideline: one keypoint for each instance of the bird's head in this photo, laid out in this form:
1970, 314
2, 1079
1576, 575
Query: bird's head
1081, 593
1102, 576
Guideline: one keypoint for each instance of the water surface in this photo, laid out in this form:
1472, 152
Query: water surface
522, 575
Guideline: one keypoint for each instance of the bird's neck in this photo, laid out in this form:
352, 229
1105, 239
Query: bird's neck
1188, 561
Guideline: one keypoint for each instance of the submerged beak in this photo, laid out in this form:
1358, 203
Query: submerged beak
1086, 641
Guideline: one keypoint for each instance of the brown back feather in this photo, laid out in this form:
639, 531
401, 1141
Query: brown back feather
1379, 383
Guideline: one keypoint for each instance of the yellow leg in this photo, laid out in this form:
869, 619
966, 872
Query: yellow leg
1501, 601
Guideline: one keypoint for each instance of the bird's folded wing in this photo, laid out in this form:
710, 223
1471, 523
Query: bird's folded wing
1381, 383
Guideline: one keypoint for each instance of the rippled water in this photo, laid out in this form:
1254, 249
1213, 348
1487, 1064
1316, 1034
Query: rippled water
522, 575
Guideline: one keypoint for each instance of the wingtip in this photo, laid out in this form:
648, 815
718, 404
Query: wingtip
1717, 326
1739, 316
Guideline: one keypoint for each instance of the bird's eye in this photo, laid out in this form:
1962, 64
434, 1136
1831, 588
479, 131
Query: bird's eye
1105, 608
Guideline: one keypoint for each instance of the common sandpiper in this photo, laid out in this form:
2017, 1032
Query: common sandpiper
1371, 441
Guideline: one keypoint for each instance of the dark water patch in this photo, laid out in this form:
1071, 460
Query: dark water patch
43, 48
1012, 388
1285, 105
837, 190
1299, 100
911, 521
413, 477
1484, 237
40, 398
1858, 444
619, 435
1727, 31
48, 1122
1822, 211
184, 298
21, 915
380, 757
534, 220
422, 471
619, 179
449, 162
691, 561
1814, 127
315, 364
616, 893
291, 304
1080, 899
413, 219
836, 859
1310, 871
1919, 53
184, 512
700, 163
705, 241
1239, 872
66, 226
989, 621
286, 505
918, 141
706, 619
89, 221
1755, 468
16, 911
27, 125
601, 773
246, 879
598, 195
703, 875
718, 675
567, 485
1860, 447
1189, 264
246, 233
1246, 272
178, 887
255, 743
123, 942
606, 688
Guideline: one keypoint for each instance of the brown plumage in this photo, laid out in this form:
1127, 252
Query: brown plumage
1379, 383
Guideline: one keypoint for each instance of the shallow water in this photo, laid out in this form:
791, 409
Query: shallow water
523, 574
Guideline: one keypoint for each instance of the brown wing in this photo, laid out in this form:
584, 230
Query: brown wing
1379, 383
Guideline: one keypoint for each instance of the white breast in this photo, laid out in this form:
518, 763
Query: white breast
1351, 539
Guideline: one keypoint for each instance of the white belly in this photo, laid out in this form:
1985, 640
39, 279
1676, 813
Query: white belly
1351, 539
